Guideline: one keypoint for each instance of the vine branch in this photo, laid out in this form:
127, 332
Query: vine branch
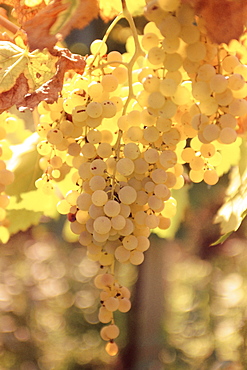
10, 26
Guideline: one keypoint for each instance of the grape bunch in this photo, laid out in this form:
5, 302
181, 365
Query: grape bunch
130, 130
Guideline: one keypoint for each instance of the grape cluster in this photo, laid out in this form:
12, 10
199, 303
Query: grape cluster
127, 132
8, 124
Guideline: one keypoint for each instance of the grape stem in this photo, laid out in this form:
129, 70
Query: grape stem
108, 31
138, 52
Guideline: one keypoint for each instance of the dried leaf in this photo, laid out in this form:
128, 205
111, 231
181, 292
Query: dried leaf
50, 90
38, 28
12, 63
59, 17
224, 19
22, 12
233, 211
27, 78
15, 94
38, 67
79, 14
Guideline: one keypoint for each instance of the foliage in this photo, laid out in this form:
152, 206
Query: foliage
117, 140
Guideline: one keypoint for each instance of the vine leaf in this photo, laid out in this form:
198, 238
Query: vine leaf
14, 94
230, 157
56, 20
224, 19
50, 90
25, 165
221, 239
22, 219
22, 12
233, 211
45, 24
36, 201
28, 78
13, 62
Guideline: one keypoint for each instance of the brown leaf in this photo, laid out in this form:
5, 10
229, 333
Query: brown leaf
23, 12
38, 28
50, 90
15, 94
224, 19
86, 11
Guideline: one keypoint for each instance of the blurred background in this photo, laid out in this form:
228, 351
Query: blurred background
188, 299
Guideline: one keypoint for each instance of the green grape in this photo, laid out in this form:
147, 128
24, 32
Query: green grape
149, 40
109, 109
171, 45
156, 55
196, 51
98, 47
99, 198
218, 83
94, 109
109, 83
54, 136
189, 34
170, 27
114, 57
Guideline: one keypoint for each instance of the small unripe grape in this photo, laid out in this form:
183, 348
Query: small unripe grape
109, 83
124, 304
114, 57
103, 280
122, 254
99, 198
125, 166
98, 47
109, 332
127, 195
102, 225
54, 136
109, 109
112, 208
94, 109
104, 316
118, 222
112, 304
111, 348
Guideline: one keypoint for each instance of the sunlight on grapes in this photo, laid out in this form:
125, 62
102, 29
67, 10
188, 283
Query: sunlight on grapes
109, 191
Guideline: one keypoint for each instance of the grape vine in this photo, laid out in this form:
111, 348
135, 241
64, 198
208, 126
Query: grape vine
130, 130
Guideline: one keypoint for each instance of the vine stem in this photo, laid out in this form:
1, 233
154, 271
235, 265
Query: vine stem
108, 31
138, 52
10, 26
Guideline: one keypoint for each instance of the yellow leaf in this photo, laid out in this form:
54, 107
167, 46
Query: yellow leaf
38, 67
233, 211
230, 157
12, 63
